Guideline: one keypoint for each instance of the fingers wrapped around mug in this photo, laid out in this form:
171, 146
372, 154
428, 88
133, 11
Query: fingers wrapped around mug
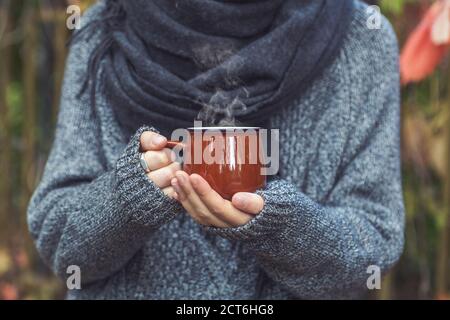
159, 162
208, 208
159, 159
163, 176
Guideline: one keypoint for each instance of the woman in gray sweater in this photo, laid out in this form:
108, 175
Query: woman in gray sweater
313, 70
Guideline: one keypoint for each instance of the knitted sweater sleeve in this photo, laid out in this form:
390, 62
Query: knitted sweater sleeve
82, 213
324, 250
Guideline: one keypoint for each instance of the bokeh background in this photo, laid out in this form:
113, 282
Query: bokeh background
33, 38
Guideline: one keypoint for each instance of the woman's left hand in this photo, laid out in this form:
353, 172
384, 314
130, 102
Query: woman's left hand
208, 208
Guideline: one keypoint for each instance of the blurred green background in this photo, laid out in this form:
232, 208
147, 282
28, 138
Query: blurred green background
33, 37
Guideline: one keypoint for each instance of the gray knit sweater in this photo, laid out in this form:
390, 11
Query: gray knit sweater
335, 210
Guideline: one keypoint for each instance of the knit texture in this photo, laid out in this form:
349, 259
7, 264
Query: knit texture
335, 209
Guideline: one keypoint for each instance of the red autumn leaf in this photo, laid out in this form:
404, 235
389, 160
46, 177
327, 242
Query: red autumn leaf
8, 292
443, 296
420, 55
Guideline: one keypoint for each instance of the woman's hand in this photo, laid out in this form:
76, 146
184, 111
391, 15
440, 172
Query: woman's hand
160, 161
208, 208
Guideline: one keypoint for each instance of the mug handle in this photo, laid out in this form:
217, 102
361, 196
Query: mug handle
172, 144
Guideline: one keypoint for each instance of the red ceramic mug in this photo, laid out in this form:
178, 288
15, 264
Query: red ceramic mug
230, 159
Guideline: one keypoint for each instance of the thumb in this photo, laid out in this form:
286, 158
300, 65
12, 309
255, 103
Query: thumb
248, 202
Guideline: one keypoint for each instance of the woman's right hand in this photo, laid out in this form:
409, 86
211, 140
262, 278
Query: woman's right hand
160, 161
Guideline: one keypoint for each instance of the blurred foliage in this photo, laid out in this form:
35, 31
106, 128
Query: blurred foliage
32, 53
394, 6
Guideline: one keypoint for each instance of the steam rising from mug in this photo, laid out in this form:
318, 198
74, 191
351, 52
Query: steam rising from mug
220, 111
223, 106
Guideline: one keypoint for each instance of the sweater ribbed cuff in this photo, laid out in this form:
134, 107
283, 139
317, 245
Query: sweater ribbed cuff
272, 220
137, 193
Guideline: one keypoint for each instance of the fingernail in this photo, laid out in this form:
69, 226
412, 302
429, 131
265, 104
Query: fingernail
176, 186
240, 200
181, 178
157, 140
194, 181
